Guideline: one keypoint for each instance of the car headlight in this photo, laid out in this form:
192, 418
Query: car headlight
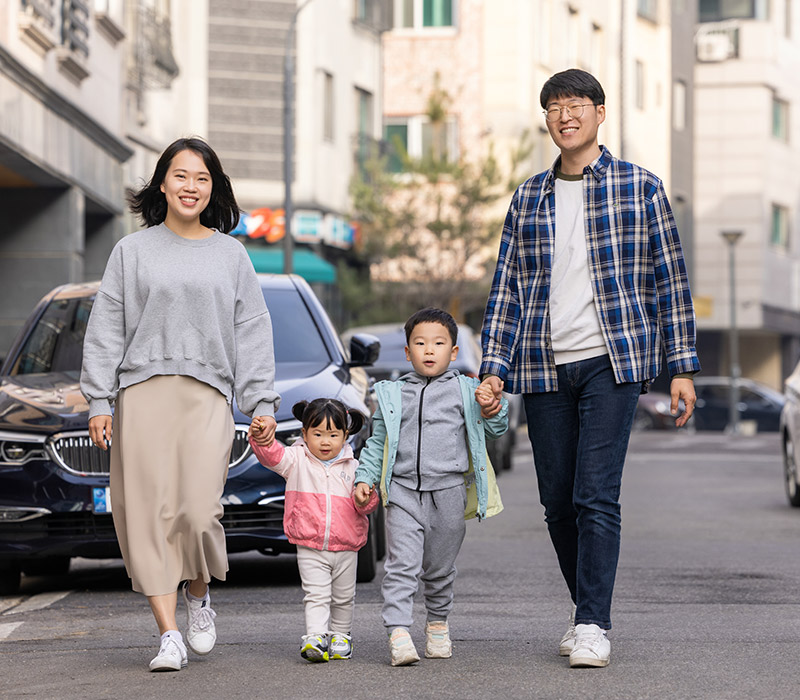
19, 448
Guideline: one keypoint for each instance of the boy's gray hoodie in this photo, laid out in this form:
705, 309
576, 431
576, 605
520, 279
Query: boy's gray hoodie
432, 452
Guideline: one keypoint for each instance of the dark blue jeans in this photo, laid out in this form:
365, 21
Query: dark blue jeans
580, 436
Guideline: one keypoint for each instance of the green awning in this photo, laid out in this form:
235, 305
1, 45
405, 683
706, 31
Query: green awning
305, 263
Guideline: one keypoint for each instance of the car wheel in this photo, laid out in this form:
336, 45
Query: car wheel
9, 580
791, 472
50, 566
368, 557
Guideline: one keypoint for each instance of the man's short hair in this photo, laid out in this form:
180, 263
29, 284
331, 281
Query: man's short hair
432, 315
572, 83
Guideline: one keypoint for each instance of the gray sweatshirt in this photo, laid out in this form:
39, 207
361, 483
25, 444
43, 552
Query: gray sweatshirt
432, 451
171, 305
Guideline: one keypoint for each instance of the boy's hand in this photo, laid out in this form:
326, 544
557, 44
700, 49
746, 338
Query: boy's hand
362, 493
488, 396
262, 430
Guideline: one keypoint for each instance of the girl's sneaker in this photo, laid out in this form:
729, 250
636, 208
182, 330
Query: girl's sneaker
341, 646
437, 640
314, 647
402, 648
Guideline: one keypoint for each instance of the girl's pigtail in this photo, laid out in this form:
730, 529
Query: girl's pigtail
299, 409
356, 421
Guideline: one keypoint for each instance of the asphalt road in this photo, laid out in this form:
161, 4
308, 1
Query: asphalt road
706, 606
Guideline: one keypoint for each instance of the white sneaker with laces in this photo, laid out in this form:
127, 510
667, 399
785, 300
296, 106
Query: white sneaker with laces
592, 647
567, 643
402, 648
201, 634
171, 655
437, 640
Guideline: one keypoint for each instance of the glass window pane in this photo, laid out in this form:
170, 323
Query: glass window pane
437, 13
396, 136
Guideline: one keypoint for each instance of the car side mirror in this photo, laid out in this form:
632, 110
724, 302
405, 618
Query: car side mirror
364, 350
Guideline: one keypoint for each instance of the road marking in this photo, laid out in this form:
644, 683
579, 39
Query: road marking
7, 603
7, 628
38, 602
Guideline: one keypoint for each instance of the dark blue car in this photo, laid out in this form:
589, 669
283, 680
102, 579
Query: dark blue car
54, 498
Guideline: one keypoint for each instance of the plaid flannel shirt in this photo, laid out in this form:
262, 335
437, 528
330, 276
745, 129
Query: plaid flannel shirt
639, 280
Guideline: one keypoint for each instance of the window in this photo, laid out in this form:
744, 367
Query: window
364, 103
420, 139
647, 9
639, 85
717, 10
679, 105
328, 107
780, 119
416, 14
779, 230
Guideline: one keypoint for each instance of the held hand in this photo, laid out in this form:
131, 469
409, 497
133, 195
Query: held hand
682, 388
262, 430
362, 493
488, 396
100, 431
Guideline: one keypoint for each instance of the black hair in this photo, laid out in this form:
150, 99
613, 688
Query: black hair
333, 412
431, 315
572, 83
222, 212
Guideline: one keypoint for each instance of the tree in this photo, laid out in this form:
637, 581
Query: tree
426, 235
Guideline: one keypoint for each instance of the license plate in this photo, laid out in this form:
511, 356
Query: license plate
101, 500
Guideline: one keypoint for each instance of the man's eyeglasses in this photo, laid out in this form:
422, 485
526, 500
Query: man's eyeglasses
574, 109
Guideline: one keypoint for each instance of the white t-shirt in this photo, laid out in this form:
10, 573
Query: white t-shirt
574, 324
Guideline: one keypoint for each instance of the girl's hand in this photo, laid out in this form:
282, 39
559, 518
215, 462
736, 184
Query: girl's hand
262, 430
362, 493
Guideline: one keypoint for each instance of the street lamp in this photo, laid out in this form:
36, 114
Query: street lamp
733, 337
288, 138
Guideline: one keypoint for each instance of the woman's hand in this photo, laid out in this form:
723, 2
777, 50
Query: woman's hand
100, 431
262, 430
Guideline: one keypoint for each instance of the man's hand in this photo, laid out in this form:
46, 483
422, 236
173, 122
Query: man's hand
682, 388
362, 494
262, 430
488, 395
100, 431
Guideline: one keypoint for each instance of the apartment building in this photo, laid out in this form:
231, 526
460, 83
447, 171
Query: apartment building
747, 145
62, 147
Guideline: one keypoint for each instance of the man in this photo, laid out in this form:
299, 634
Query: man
590, 281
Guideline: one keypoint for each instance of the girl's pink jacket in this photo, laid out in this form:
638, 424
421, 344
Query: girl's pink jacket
319, 510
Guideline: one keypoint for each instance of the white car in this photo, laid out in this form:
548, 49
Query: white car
790, 437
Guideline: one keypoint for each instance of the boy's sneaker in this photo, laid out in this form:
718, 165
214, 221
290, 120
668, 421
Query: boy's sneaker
437, 640
201, 634
341, 646
592, 647
171, 655
402, 648
567, 643
314, 647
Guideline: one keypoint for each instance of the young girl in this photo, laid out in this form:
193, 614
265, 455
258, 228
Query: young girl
321, 518
179, 327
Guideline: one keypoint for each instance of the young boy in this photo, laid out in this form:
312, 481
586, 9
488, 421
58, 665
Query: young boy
429, 426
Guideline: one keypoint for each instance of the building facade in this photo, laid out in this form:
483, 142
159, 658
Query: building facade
747, 141
62, 147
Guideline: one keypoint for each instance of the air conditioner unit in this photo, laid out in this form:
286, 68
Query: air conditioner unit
713, 47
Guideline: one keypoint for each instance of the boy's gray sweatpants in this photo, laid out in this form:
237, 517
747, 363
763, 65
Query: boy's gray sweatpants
424, 533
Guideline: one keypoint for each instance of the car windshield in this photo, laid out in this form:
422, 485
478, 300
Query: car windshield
56, 342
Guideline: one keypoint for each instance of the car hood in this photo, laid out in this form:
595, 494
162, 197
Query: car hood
52, 402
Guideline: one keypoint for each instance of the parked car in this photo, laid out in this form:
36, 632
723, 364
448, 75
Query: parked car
54, 483
652, 412
790, 437
392, 363
757, 402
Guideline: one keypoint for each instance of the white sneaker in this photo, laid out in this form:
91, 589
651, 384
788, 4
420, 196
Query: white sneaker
171, 655
567, 643
437, 640
201, 634
592, 647
402, 648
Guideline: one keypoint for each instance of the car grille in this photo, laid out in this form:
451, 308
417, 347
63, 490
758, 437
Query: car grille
251, 517
80, 524
77, 454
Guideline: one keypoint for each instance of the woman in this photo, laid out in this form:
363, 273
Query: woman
178, 327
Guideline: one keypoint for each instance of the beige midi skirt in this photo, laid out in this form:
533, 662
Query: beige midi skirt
171, 444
